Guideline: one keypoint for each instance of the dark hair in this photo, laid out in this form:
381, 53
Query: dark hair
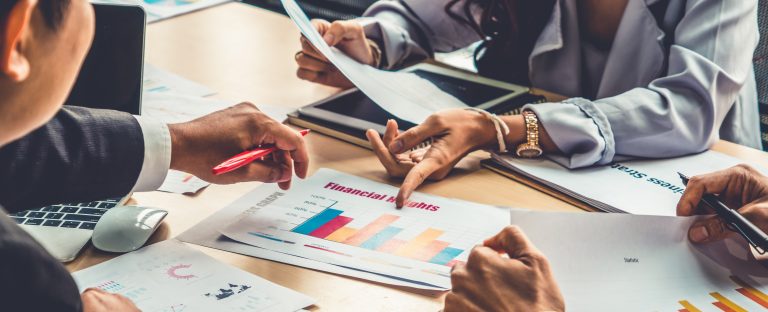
52, 10
509, 29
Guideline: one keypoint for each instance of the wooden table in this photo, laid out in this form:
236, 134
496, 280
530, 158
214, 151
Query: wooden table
246, 53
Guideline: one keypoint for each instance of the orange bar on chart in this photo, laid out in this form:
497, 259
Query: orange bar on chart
429, 252
750, 292
341, 234
391, 245
419, 242
370, 230
688, 306
725, 304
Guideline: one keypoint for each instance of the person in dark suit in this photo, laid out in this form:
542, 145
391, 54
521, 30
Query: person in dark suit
52, 154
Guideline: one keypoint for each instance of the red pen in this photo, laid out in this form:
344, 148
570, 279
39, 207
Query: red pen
247, 157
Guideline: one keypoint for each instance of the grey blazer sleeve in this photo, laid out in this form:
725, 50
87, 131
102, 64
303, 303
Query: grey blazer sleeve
710, 62
81, 154
408, 31
30, 279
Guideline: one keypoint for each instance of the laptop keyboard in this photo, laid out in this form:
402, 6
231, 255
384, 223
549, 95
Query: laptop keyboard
71, 215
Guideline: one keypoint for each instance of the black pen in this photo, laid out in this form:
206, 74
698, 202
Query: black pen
735, 221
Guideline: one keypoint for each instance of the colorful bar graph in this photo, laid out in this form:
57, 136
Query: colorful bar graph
688, 306
370, 230
317, 221
419, 242
430, 251
380, 238
341, 234
391, 245
446, 255
750, 292
725, 304
332, 226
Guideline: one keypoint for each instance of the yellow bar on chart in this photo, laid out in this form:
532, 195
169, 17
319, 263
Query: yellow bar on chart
341, 234
726, 302
419, 242
688, 306
749, 288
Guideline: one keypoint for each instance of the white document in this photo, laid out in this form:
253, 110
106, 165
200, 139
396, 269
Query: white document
404, 95
206, 234
182, 183
620, 262
352, 222
169, 276
161, 9
176, 108
157, 80
648, 187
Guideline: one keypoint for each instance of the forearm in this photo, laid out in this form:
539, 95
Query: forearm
518, 135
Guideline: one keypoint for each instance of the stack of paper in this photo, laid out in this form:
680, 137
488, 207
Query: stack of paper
170, 276
648, 187
349, 225
619, 262
405, 95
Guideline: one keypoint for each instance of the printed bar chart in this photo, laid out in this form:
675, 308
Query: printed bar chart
317, 221
728, 305
379, 235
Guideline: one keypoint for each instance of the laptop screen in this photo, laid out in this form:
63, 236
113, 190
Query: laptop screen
111, 76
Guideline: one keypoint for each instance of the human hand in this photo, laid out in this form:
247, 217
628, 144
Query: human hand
491, 282
97, 300
347, 36
454, 133
203, 143
740, 187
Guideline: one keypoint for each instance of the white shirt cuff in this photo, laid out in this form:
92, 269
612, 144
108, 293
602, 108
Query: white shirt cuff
157, 154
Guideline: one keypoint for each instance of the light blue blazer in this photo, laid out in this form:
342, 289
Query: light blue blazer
653, 100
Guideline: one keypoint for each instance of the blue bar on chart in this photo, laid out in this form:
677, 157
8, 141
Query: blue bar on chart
381, 237
317, 221
446, 255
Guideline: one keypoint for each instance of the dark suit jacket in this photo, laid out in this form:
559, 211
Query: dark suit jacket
80, 155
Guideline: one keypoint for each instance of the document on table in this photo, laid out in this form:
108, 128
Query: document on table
404, 95
157, 80
206, 233
161, 9
349, 221
616, 262
182, 183
169, 276
649, 187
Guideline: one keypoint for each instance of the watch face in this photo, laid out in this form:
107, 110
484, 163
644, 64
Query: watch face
530, 152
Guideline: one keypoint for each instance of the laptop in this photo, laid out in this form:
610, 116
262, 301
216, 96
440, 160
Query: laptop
111, 78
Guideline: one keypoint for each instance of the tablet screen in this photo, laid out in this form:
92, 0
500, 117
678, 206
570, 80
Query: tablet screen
357, 105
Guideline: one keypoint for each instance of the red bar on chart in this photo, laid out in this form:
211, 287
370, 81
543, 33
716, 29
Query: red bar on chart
370, 230
726, 304
331, 226
750, 292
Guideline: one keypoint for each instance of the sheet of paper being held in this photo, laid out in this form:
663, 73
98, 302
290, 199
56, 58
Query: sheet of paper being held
404, 95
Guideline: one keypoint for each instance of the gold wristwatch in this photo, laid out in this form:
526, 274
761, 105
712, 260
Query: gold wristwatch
531, 148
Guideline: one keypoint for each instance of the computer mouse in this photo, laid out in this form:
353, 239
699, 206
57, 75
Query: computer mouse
126, 228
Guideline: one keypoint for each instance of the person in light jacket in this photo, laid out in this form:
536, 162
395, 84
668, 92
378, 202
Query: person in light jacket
644, 78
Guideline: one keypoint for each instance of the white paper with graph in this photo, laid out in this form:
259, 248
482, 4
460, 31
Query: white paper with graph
352, 222
171, 277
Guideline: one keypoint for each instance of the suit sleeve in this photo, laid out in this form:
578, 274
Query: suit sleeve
30, 279
81, 154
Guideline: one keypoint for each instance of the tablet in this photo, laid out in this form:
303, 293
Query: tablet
111, 76
355, 110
